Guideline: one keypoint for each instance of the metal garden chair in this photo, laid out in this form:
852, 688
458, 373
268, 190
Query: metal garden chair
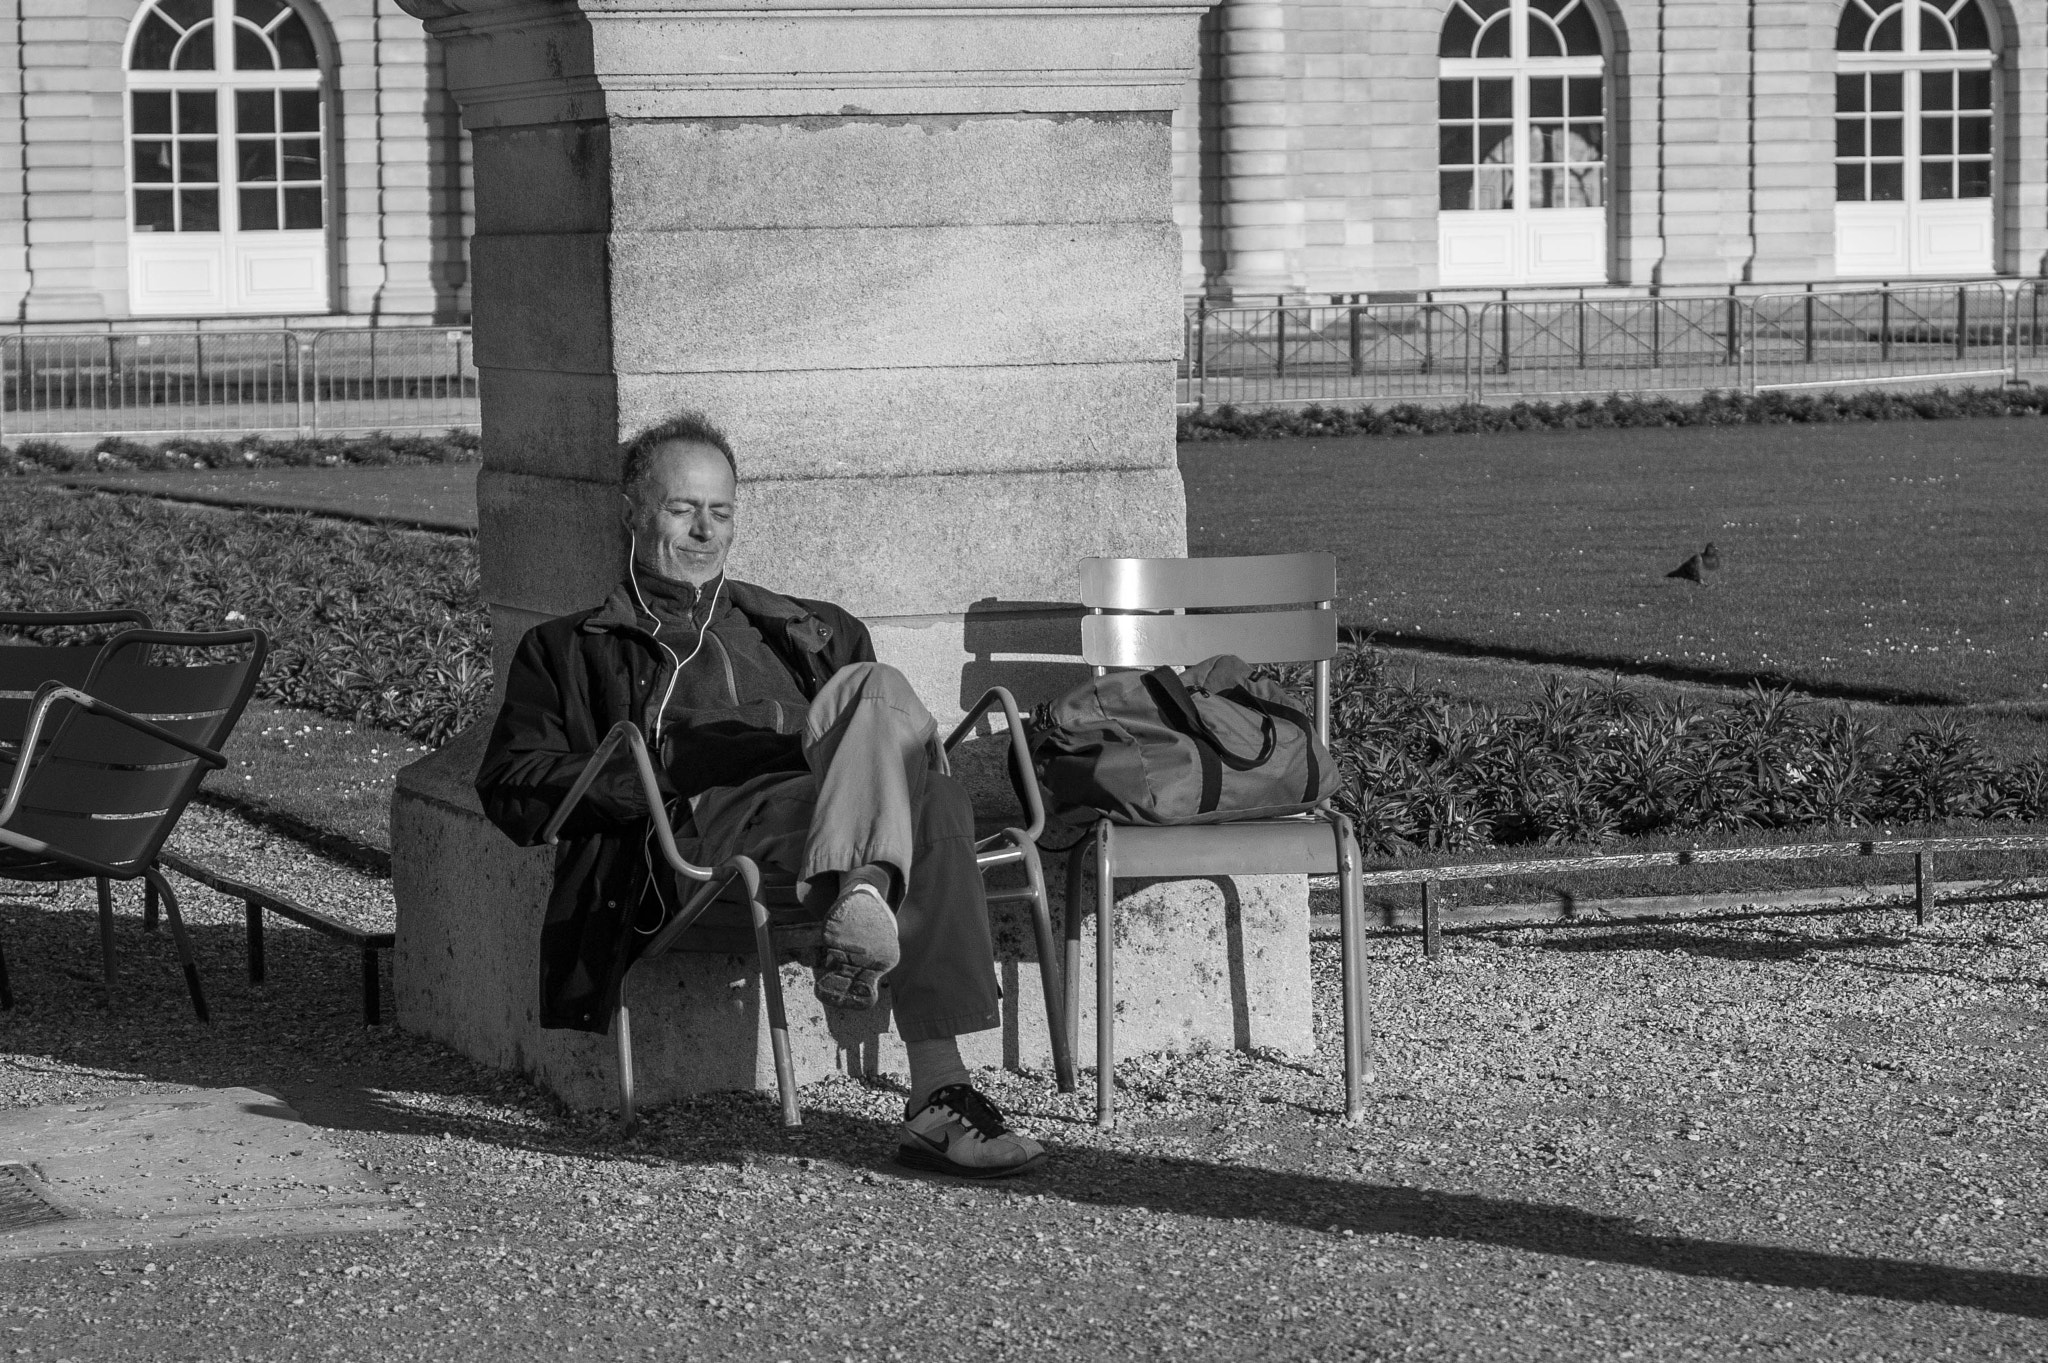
739, 904
1151, 612
102, 781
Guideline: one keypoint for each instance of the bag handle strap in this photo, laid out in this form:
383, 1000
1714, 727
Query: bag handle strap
1181, 707
1302, 722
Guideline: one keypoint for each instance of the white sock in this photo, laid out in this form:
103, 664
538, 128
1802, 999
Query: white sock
933, 1065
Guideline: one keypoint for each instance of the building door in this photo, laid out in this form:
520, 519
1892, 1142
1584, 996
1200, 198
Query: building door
1521, 144
227, 160
1915, 118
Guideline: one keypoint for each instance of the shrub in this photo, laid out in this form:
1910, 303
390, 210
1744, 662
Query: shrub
367, 624
115, 452
1714, 409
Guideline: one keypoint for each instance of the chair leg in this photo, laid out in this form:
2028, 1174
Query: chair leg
622, 1034
6, 994
163, 888
1357, 1013
1105, 978
1070, 962
778, 1021
149, 907
106, 931
1049, 976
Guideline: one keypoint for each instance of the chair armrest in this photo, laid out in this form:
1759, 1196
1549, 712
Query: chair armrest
1020, 752
46, 697
626, 733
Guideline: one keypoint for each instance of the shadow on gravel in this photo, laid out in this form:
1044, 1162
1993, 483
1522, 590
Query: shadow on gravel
300, 1037
1763, 944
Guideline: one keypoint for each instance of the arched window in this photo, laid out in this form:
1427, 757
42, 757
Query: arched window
1915, 124
228, 157
1522, 143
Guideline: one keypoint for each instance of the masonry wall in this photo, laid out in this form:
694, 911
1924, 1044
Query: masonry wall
1721, 139
399, 202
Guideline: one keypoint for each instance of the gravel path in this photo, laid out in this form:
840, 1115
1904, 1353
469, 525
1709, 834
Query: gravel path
1798, 1138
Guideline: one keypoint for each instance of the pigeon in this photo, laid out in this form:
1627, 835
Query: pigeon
1710, 557
1689, 570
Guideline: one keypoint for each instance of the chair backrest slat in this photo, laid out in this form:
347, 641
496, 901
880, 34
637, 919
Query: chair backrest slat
1222, 583
1178, 640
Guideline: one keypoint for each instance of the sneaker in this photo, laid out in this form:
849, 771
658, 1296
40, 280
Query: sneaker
960, 1132
860, 947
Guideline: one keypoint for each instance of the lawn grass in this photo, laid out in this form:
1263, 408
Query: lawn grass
1899, 560
323, 779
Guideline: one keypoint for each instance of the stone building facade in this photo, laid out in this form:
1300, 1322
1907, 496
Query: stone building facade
1323, 147
1389, 146
232, 160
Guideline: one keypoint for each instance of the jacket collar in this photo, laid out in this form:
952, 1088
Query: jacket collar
620, 612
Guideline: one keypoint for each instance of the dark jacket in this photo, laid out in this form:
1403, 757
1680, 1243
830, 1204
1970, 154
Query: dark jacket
571, 680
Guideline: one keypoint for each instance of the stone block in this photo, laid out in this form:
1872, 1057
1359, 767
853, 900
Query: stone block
1201, 964
542, 302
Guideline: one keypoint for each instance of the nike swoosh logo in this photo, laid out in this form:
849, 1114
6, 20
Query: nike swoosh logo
942, 1145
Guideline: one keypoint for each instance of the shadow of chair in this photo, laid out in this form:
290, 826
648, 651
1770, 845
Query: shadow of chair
100, 784
737, 904
1146, 613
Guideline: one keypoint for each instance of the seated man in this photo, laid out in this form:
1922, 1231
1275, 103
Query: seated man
777, 736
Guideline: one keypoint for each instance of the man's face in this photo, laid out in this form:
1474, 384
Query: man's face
681, 512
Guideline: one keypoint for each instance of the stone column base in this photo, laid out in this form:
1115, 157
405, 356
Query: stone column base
1200, 964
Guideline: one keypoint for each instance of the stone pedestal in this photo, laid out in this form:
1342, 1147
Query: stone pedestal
921, 265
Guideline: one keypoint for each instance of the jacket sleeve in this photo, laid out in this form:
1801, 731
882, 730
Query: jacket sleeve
532, 760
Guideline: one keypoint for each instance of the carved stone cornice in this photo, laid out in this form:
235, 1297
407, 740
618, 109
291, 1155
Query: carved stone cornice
515, 62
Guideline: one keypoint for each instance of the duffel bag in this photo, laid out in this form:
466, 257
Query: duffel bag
1205, 745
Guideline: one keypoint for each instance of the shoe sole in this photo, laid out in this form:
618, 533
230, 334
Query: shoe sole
926, 1162
848, 979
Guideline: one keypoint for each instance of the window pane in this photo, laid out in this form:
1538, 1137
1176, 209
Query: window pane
1588, 188
152, 110
1454, 145
1937, 136
1887, 137
259, 210
1494, 189
294, 45
1581, 34
153, 211
154, 43
1937, 180
1453, 99
185, 13
197, 112
1493, 39
1496, 98
1975, 179
259, 12
302, 210
1887, 183
199, 161
1546, 97
1848, 137
256, 160
1543, 39
1972, 33
1976, 136
255, 111
302, 158
196, 52
1460, 29
1888, 92
199, 210
1937, 89
1496, 144
1885, 37
1849, 94
1546, 188
1934, 34
1546, 142
1849, 183
153, 162
1454, 190
1587, 96
302, 111
1854, 28
1974, 89
252, 53
1588, 140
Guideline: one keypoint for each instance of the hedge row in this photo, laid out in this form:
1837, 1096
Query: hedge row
367, 624
116, 452
1615, 410
1586, 765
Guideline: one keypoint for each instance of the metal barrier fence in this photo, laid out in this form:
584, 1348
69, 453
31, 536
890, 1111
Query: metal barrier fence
1570, 347
236, 382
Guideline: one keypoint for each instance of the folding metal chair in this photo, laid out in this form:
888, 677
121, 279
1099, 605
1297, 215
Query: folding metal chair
1150, 612
736, 904
101, 783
